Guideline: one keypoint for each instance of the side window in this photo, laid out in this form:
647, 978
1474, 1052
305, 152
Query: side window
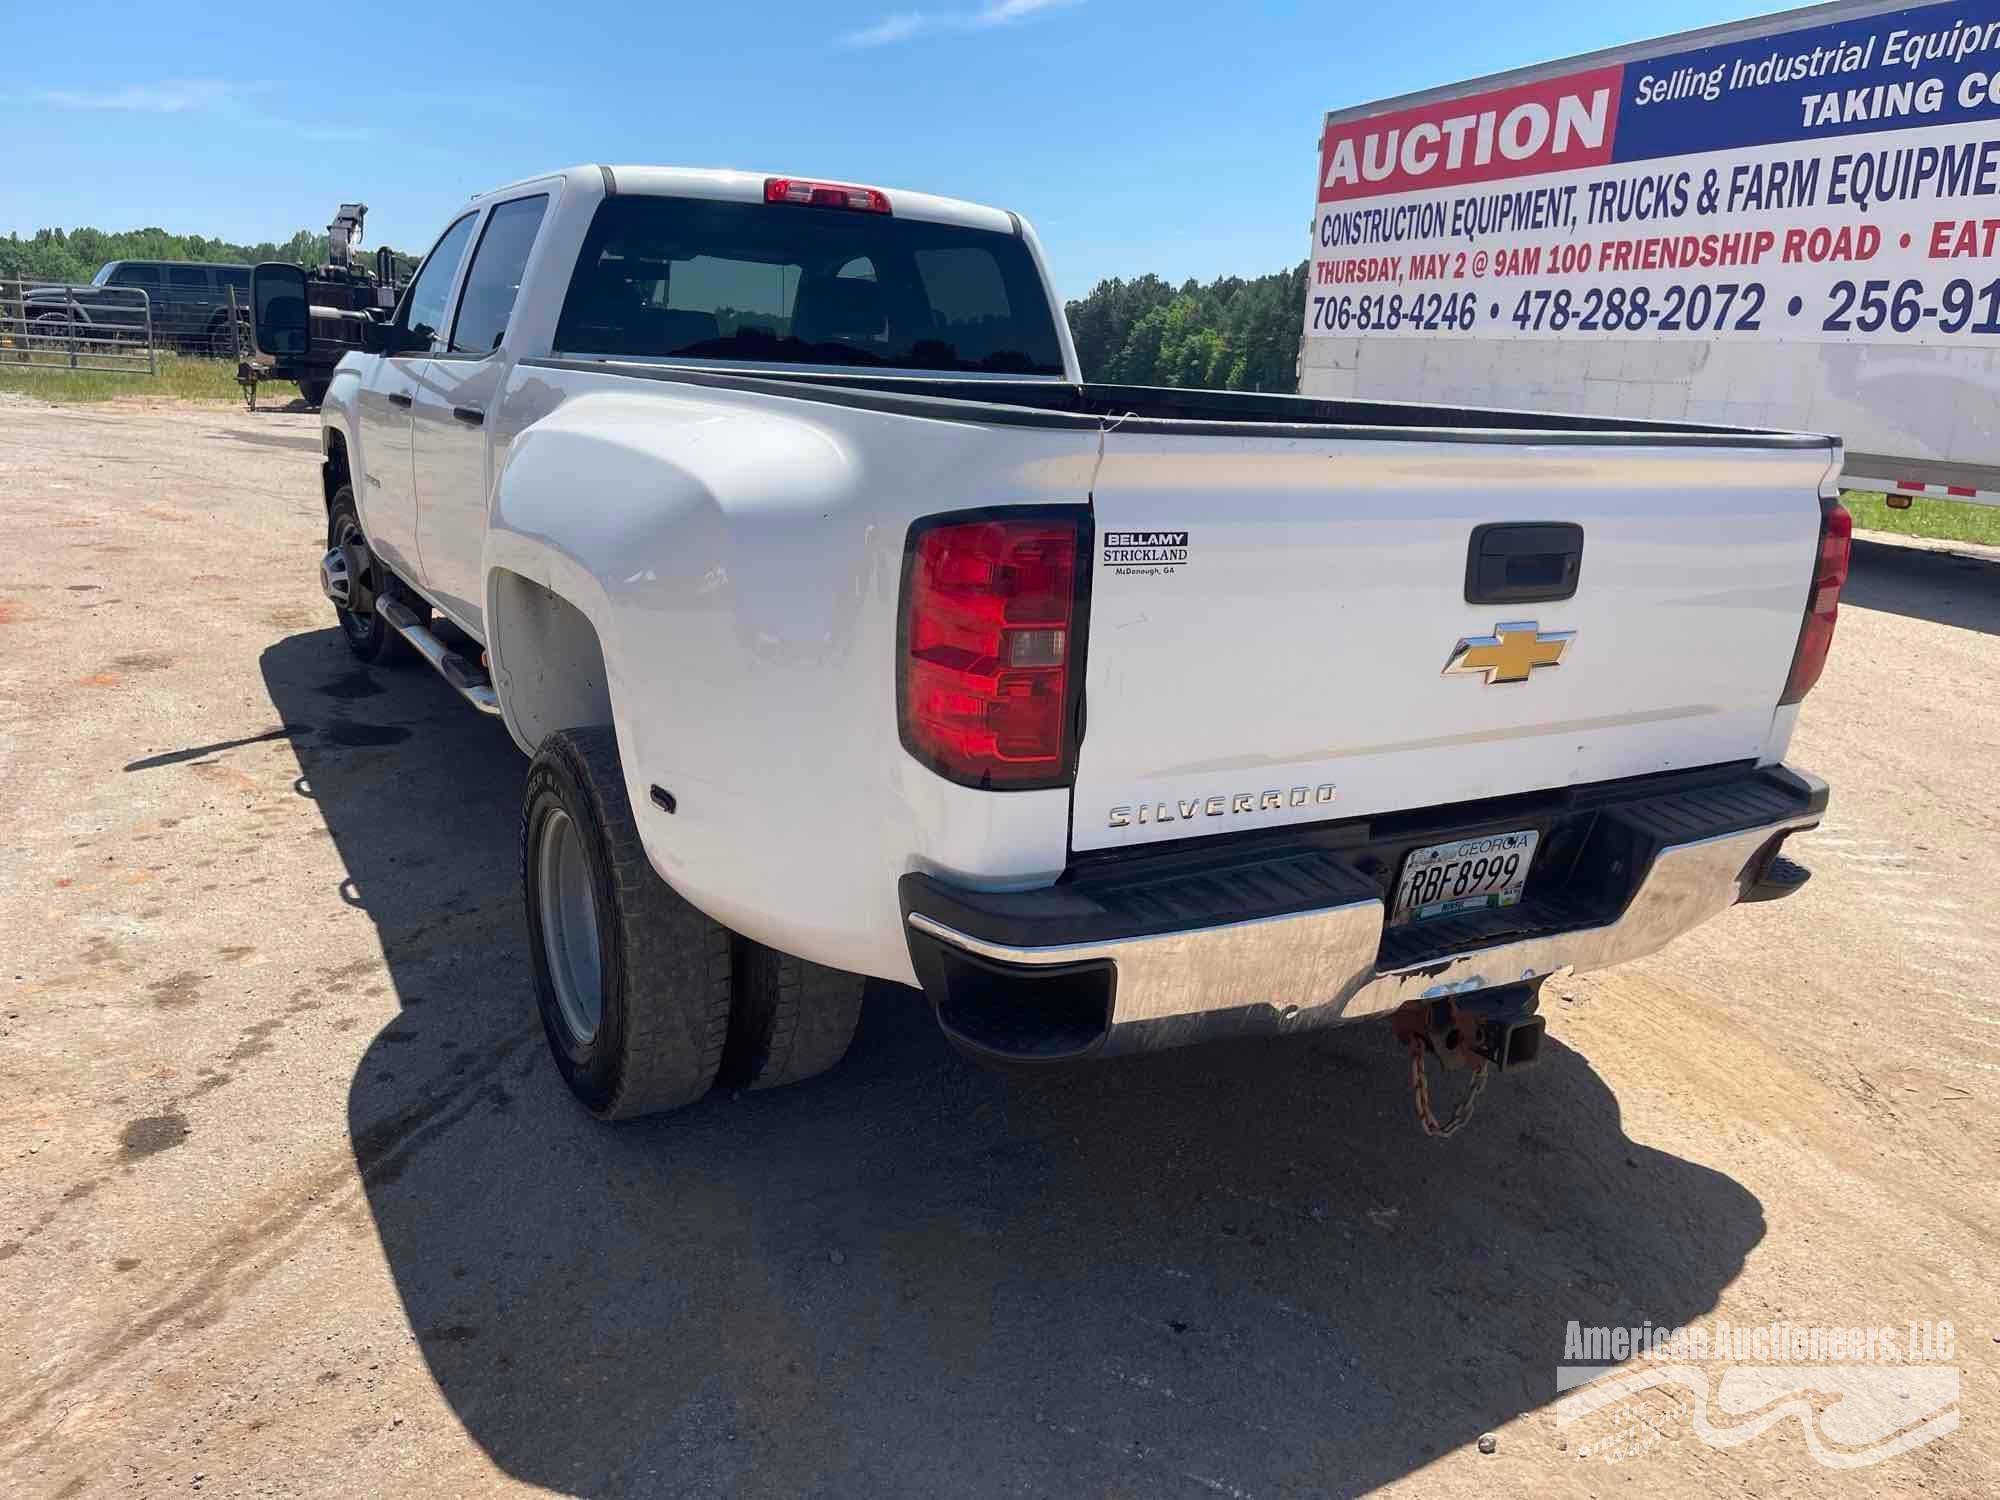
234, 276
188, 278
494, 280
146, 276
424, 303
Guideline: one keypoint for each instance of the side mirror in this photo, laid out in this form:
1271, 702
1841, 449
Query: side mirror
280, 318
378, 338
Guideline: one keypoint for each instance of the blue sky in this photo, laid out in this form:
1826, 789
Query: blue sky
1137, 136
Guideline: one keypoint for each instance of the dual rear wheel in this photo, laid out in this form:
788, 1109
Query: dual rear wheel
647, 1002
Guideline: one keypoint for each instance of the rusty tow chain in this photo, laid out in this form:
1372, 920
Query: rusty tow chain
1420, 1089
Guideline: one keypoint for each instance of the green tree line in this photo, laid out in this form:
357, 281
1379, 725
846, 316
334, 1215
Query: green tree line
1231, 333
75, 254
1228, 334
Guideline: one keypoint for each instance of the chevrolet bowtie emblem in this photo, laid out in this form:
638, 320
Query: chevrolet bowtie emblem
1512, 652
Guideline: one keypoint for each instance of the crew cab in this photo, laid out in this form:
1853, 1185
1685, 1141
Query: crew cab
852, 634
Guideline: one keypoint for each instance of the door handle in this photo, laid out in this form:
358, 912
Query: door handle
1514, 562
398, 398
472, 416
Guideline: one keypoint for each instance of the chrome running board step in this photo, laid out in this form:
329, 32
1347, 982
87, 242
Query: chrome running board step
473, 685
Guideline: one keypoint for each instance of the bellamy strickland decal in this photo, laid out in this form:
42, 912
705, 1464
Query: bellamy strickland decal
1145, 554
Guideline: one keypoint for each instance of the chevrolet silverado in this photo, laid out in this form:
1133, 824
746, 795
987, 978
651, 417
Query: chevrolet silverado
852, 633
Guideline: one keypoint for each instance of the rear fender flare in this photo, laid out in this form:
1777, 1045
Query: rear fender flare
547, 621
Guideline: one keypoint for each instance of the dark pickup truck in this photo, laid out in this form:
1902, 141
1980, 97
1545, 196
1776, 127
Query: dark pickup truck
188, 302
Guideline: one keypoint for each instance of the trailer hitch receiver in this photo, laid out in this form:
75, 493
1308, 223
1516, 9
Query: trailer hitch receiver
1496, 1027
1484, 1030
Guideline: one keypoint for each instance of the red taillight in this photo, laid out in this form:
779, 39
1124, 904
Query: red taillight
1836, 536
824, 194
989, 650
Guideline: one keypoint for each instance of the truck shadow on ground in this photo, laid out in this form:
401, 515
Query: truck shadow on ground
1236, 1269
1950, 588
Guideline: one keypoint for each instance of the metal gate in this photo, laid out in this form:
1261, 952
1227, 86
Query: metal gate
57, 325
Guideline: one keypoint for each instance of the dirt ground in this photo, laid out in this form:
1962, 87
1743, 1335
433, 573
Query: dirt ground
292, 1203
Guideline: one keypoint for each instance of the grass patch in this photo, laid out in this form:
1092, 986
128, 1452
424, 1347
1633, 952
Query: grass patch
1946, 520
184, 377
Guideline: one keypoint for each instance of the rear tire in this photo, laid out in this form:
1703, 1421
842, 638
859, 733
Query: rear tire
313, 391
632, 982
790, 1020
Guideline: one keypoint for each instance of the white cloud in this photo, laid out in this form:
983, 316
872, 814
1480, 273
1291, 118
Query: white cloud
1001, 12
904, 25
204, 96
172, 96
892, 29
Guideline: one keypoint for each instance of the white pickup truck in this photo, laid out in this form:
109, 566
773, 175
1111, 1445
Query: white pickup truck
853, 634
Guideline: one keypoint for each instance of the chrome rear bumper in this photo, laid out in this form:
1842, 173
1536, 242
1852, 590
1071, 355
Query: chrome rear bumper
1329, 963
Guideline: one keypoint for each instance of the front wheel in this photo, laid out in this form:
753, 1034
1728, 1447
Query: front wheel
351, 577
632, 982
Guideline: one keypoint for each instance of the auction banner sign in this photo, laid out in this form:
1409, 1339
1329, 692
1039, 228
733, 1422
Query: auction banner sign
1832, 183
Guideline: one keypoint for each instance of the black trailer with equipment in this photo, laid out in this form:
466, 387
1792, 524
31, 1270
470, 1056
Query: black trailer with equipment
341, 297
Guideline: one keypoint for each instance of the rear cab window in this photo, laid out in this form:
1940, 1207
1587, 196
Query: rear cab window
493, 280
764, 283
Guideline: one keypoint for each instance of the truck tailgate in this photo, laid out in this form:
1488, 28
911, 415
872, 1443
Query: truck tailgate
1271, 620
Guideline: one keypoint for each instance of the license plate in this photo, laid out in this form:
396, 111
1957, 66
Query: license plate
1441, 880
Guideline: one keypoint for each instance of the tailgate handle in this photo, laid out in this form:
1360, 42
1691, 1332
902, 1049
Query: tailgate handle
1523, 562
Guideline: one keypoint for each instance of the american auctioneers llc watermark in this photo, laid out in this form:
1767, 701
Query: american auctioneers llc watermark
1861, 1395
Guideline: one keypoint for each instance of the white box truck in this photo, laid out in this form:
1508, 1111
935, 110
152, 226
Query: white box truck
1786, 222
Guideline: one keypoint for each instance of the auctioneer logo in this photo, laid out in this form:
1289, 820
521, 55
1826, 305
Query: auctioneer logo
1553, 125
1861, 1395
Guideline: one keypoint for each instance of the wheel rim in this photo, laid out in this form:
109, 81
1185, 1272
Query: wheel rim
569, 926
356, 626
